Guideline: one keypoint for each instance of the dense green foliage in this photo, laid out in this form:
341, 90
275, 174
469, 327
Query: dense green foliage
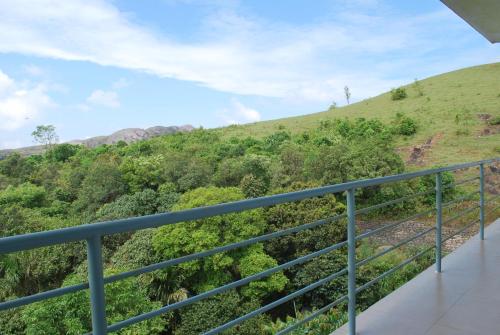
71, 185
70, 314
495, 121
405, 125
398, 93
172, 241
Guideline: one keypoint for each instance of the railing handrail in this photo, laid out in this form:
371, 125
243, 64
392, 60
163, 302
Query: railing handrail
83, 232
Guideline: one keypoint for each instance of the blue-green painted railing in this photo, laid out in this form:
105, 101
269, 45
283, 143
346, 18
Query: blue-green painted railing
93, 233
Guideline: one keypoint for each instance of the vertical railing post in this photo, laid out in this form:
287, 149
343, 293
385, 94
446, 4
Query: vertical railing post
481, 201
96, 285
439, 219
351, 261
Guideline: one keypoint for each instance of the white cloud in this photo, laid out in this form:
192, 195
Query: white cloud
244, 55
19, 103
121, 83
81, 107
33, 70
238, 114
104, 98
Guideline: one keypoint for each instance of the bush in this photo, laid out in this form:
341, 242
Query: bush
494, 121
398, 93
405, 125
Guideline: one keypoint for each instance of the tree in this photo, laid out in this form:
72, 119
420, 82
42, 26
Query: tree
143, 172
252, 187
176, 240
45, 135
212, 312
17, 168
26, 195
129, 205
293, 214
63, 152
103, 183
347, 93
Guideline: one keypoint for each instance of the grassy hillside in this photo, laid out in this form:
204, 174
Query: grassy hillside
450, 111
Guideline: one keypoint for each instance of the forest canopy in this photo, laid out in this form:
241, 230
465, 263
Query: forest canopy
70, 185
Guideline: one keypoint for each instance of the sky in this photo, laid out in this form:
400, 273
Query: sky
91, 67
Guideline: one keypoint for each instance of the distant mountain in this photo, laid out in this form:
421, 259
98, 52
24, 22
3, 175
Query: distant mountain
128, 135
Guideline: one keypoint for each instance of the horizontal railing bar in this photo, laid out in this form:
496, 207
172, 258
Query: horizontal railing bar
392, 202
187, 258
224, 288
461, 230
394, 269
312, 316
71, 289
449, 203
392, 225
276, 303
460, 214
77, 233
386, 251
42, 296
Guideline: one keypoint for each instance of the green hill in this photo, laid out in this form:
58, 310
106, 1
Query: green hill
452, 111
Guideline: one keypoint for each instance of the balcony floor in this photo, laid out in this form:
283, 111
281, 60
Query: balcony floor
462, 300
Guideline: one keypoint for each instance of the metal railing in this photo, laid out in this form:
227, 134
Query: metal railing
93, 234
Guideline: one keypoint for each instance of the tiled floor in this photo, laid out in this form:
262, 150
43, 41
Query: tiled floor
463, 299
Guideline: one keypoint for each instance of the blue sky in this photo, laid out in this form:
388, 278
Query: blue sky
91, 67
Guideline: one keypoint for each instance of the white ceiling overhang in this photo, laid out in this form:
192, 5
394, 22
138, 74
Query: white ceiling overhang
482, 15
